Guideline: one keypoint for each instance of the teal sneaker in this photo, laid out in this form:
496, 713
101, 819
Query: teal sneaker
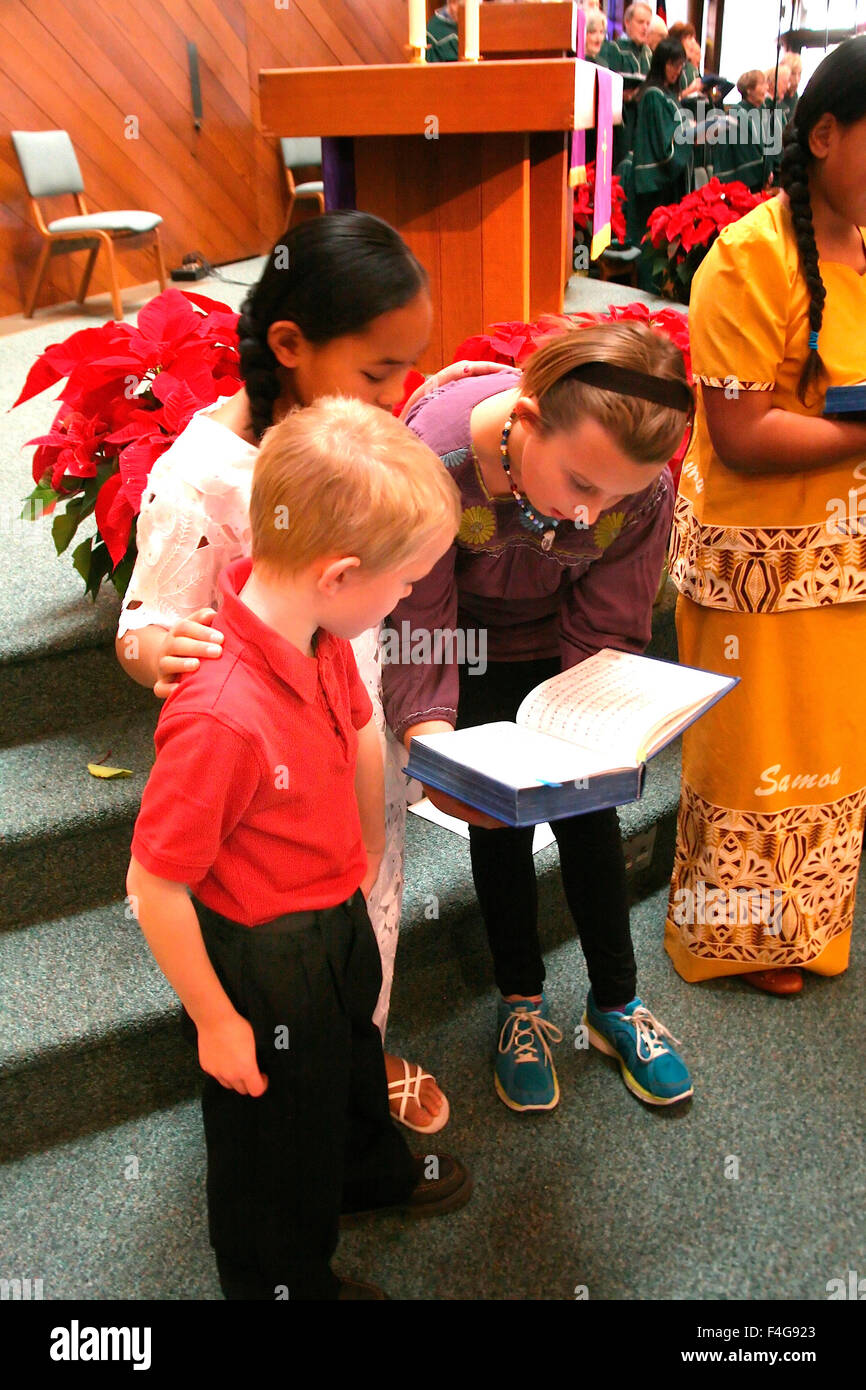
524, 1073
650, 1067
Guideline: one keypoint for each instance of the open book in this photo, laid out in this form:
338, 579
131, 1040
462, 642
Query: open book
581, 740
846, 400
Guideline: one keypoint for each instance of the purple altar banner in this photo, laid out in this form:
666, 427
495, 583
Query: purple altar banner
577, 165
603, 162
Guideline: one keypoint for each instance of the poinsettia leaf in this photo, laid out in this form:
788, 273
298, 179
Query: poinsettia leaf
39, 378
213, 306
81, 559
168, 318
100, 566
38, 503
122, 573
64, 526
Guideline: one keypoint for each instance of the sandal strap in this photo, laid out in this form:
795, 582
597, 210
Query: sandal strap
410, 1084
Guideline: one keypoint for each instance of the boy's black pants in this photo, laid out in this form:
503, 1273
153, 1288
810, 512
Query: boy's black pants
282, 1165
590, 856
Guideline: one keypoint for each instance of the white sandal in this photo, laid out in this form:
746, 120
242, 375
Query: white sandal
408, 1087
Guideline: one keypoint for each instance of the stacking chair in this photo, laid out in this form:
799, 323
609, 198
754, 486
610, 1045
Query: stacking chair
50, 170
298, 153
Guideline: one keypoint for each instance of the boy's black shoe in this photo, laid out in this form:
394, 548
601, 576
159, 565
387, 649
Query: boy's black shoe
447, 1188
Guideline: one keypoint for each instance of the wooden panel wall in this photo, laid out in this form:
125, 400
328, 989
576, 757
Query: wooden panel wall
86, 66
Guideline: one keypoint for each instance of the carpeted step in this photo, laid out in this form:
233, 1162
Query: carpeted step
90, 1027
65, 690
91, 1032
64, 835
120, 1213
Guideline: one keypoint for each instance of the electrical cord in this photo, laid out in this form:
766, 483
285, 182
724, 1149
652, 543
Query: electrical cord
197, 258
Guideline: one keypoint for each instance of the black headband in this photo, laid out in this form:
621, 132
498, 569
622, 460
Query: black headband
660, 390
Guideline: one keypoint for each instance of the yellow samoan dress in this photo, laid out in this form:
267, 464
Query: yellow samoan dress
771, 573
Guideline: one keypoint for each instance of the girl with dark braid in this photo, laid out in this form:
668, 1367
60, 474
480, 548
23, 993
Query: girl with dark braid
342, 308
769, 556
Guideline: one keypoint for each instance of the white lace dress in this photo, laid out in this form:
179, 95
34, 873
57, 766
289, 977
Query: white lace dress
194, 521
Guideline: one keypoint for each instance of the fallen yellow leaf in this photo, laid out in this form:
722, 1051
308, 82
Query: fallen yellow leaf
97, 770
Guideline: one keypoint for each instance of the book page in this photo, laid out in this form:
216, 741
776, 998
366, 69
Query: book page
515, 756
615, 702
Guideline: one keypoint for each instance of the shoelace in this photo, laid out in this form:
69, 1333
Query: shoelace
537, 1030
649, 1034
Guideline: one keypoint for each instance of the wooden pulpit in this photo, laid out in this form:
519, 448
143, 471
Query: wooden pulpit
548, 28
468, 161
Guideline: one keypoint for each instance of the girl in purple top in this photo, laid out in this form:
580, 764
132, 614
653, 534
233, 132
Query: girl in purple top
567, 508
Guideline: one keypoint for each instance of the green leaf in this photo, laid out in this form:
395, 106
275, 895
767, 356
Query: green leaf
63, 528
123, 573
100, 566
36, 501
81, 559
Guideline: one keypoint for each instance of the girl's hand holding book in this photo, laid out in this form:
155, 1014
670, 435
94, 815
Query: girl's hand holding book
227, 1052
449, 804
184, 647
452, 807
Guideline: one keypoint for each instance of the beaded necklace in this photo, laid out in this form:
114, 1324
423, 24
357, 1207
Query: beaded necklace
548, 527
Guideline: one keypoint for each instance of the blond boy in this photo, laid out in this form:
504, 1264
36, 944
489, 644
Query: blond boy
266, 801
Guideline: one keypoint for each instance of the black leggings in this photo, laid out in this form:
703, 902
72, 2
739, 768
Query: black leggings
590, 856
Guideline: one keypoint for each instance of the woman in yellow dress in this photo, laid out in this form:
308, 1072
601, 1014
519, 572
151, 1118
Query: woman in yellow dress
769, 557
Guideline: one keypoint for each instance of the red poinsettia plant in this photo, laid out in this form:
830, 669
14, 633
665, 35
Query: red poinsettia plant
584, 203
679, 235
513, 342
130, 392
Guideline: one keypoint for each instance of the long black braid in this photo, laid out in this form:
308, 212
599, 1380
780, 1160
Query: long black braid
331, 276
259, 368
837, 87
794, 178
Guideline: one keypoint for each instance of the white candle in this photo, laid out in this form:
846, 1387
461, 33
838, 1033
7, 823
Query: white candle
418, 26
473, 37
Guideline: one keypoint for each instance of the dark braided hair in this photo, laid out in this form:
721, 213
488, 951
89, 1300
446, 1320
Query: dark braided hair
331, 276
837, 87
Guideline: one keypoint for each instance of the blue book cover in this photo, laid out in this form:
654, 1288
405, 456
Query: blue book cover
846, 400
580, 743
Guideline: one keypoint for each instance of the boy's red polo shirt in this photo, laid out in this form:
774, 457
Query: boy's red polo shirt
251, 800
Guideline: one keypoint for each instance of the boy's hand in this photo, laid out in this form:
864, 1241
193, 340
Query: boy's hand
373, 864
227, 1052
185, 646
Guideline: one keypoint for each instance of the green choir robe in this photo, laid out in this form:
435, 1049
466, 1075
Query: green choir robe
745, 159
657, 172
688, 75
625, 56
441, 38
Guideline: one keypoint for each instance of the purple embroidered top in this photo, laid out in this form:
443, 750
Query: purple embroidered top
594, 588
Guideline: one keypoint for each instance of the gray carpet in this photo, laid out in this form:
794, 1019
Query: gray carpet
102, 1192
604, 1192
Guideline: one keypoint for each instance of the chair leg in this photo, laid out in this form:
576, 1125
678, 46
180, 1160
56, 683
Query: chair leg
116, 302
88, 271
320, 199
44, 253
292, 201
160, 264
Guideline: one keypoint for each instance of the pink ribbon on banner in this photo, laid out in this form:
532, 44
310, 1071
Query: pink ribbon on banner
603, 162
577, 165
